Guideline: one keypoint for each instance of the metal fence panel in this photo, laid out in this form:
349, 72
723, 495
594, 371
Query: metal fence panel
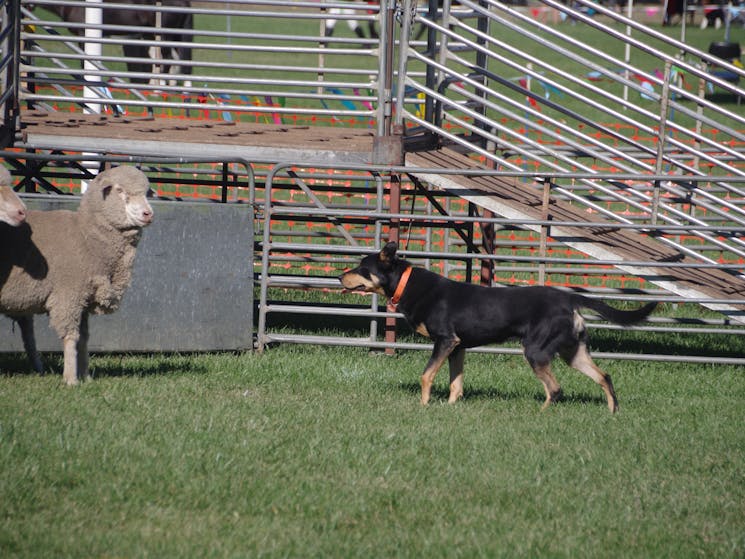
192, 284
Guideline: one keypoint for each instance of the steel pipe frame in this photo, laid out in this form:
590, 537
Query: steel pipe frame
267, 338
584, 137
264, 337
16, 158
317, 14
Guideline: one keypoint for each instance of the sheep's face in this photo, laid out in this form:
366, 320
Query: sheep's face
12, 208
123, 192
137, 209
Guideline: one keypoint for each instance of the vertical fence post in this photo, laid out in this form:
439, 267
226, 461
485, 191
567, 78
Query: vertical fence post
403, 55
388, 142
386, 69
543, 243
661, 133
321, 55
10, 16
93, 51
393, 235
488, 230
224, 190
377, 242
156, 52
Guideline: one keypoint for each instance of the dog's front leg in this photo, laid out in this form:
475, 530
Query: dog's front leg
443, 348
456, 360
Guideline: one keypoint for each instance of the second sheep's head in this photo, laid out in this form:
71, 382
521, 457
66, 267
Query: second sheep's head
118, 196
12, 208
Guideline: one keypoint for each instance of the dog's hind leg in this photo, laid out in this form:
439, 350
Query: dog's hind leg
442, 350
541, 345
456, 360
550, 384
580, 359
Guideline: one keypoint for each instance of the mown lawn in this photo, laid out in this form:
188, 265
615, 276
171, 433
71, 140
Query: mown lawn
326, 452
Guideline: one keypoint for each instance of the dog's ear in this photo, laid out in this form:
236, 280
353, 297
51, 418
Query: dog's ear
388, 253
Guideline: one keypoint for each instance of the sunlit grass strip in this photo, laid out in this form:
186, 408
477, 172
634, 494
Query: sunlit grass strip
310, 452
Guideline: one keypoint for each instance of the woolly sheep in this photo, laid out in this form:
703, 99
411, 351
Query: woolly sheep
12, 209
73, 263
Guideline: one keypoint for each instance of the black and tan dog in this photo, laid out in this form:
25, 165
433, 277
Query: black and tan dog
458, 315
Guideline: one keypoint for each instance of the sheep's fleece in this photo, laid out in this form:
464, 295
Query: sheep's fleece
69, 264
12, 208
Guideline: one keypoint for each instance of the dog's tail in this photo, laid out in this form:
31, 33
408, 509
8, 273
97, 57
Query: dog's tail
624, 318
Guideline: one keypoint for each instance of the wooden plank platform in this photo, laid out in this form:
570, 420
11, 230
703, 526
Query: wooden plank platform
510, 198
196, 138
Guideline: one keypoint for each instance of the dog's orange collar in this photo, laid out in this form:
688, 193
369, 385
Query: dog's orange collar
401, 286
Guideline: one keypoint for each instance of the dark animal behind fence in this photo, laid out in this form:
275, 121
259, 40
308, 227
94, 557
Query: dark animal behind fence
141, 18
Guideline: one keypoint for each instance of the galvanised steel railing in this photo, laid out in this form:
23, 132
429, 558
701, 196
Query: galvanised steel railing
9, 61
237, 61
635, 139
306, 243
521, 110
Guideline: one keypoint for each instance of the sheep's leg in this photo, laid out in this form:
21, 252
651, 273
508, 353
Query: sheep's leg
65, 320
70, 350
26, 324
82, 348
74, 334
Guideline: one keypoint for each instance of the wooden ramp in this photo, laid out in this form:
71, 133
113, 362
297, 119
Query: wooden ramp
170, 137
509, 198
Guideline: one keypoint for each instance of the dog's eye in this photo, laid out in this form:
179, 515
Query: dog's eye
365, 274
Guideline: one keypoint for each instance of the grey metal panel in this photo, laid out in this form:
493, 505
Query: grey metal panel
192, 284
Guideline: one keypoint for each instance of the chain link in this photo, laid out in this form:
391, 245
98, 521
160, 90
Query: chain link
399, 13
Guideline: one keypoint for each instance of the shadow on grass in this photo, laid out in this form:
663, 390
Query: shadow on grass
147, 364
441, 393
108, 365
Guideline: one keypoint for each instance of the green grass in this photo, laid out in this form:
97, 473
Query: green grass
326, 452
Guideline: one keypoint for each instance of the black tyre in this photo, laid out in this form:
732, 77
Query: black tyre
725, 50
